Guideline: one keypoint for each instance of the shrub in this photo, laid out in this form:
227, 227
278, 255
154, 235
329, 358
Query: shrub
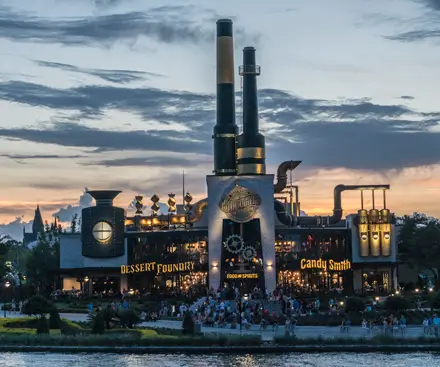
355, 304
396, 303
37, 306
435, 301
43, 326
128, 318
188, 323
54, 320
98, 326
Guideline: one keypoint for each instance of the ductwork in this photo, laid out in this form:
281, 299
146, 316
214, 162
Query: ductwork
197, 210
286, 219
282, 175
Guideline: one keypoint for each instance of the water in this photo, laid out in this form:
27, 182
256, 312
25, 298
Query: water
216, 360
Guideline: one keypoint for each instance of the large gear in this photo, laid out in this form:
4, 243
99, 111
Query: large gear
234, 244
249, 253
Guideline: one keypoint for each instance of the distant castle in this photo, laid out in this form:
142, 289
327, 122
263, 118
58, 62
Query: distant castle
37, 227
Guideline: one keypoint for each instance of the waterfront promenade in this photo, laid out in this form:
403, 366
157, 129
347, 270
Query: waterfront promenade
268, 334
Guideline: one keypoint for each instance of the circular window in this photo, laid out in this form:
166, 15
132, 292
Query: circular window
102, 231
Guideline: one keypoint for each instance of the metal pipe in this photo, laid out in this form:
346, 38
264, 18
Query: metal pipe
372, 198
337, 207
281, 183
384, 199
197, 210
362, 199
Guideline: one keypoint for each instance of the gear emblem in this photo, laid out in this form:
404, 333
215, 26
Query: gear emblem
249, 253
234, 244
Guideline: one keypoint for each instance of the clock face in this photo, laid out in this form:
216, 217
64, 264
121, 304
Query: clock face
102, 231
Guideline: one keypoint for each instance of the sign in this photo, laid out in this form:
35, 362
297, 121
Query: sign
325, 264
240, 204
242, 276
158, 268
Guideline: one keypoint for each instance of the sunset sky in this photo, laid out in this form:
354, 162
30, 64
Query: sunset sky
120, 94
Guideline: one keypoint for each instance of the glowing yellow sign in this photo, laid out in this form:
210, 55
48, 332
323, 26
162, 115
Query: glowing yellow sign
325, 265
242, 276
158, 268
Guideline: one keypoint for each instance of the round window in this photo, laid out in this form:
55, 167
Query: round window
102, 231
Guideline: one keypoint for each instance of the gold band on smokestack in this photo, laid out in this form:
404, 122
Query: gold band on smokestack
225, 60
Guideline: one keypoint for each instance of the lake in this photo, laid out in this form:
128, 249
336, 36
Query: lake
176, 360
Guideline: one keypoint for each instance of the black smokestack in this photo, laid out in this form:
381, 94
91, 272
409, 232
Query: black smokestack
251, 155
225, 130
104, 197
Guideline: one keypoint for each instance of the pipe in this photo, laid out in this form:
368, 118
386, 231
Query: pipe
197, 210
337, 207
251, 144
225, 130
281, 183
282, 214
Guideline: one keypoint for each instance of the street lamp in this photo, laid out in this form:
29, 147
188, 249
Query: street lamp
7, 284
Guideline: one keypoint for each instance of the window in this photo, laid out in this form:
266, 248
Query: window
102, 231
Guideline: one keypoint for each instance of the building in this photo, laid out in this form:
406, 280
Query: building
247, 232
37, 228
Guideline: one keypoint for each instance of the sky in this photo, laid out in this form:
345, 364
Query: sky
120, 94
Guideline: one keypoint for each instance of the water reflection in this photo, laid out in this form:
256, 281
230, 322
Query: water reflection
176, 360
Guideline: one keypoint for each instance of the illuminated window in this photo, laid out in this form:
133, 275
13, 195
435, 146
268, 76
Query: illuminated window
102, 231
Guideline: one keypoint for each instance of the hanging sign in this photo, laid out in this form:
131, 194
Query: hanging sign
240, 204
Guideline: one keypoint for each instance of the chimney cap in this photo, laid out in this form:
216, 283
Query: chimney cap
103, 194
224, 21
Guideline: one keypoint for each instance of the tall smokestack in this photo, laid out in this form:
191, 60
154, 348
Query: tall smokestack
225, 130
251, 155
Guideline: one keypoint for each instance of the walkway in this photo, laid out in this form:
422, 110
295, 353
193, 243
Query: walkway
300, 331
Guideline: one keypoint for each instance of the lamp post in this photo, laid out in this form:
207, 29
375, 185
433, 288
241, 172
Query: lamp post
6, 286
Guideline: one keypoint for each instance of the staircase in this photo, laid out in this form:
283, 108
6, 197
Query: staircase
197, 304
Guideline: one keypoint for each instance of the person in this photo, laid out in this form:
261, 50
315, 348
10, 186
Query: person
402, 325
287, 327
425, 326
395, 326
365, 326
90, 308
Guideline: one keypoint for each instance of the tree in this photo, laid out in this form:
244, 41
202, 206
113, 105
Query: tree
43, 260
73, 223
6, 243
396, 303
419, 242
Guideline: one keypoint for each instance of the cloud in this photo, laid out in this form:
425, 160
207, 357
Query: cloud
15, 228
166, 24
114, 76
148, 162
21, 158
425, 27
407, 97
351, 133
66, 214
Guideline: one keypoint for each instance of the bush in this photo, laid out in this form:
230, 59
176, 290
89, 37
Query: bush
128, 318
43, 326
98, 326
396, 303
37, 306
355, 304
435, 301
188, 324
54, 320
